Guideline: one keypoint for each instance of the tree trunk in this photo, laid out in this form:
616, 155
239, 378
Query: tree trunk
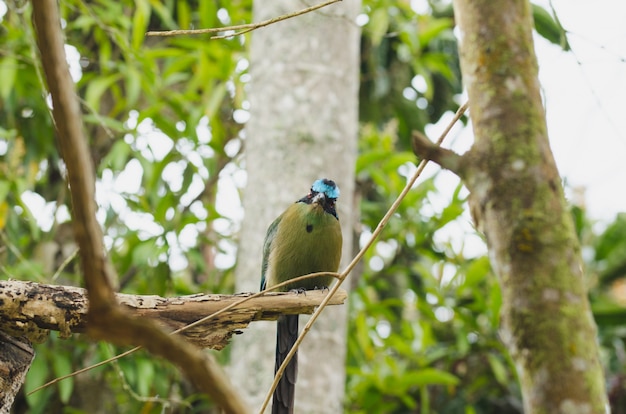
517, 201
16, 355
303, 126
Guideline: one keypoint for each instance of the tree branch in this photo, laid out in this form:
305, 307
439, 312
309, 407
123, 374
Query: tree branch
244, 28
428, 150
74, 150
32, 309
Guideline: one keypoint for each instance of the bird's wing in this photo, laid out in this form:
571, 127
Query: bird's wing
267, 248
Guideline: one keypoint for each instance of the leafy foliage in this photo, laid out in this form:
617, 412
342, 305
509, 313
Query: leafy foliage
160, 117
410, 68
424, 317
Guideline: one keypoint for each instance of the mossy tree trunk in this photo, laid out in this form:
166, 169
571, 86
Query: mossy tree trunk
517, 201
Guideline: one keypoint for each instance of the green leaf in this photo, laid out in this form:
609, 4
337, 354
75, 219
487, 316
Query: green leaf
133, 84
608, 313
144, 251
495, 302
117, 157
611, 250
549, 27
477, 271
184, 14
8, 70
499, 369
110, 123
5, 186
207, 11
140, 22
378, 25
215, 100
433, 29
145, 376
450, 212
61, 366
37, 375
165, 15
430, 376
97, 87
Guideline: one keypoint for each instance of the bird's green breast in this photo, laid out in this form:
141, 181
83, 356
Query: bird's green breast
307, 240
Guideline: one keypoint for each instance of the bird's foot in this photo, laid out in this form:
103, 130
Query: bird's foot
323, 288
298, 291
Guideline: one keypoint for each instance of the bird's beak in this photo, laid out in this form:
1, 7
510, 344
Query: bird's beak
320, 198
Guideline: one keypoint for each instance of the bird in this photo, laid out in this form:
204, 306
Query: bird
304, 239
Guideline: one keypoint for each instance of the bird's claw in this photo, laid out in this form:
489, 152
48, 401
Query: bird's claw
298, 291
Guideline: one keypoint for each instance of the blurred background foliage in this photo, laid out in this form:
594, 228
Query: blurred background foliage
164, 117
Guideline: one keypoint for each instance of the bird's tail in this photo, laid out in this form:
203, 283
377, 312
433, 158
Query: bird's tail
286, 335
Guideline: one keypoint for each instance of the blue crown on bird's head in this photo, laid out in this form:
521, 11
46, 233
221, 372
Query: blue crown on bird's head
327, 187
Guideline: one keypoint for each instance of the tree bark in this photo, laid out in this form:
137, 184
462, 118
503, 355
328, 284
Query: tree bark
31, 310
303, 126
517, 202
16, 355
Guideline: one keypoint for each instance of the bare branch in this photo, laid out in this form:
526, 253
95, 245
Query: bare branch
243, 28
424, 148
73, 147
428, 150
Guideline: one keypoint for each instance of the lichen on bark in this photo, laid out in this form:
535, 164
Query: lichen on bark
518, 203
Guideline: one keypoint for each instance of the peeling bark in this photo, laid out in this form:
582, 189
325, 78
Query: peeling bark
30, 310
16, 355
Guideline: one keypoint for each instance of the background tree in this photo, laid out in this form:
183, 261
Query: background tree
303, 126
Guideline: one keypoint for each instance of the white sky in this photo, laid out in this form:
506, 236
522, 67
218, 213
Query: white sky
584, 94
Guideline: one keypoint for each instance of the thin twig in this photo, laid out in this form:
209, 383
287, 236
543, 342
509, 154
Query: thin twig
357, 258
80, 371
243, 27
65, 263
32, 270
165, 402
